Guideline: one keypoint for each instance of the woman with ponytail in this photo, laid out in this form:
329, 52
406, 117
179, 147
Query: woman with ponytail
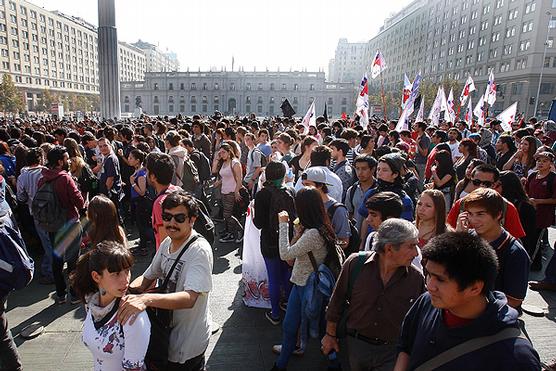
100, 280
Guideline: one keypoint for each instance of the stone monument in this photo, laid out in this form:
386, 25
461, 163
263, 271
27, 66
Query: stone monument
108, 61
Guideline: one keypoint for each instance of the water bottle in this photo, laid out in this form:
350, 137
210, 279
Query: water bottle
333, 362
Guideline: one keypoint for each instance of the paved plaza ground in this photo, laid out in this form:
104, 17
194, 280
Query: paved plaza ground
243, 343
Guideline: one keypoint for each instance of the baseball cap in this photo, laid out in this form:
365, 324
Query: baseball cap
315, 174
546, 154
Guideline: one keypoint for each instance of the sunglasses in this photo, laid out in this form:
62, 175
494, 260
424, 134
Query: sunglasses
478, 182
179, 218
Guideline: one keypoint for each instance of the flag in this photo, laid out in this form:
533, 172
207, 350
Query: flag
344, 116
467, 89
378, 65
490, 92
408, 110
362, 103
417, 102
450, 114
325, 114
469, 114
421, 113
443, 101
507, 117
287, 109
436, 108
310, 117
406, 90
479, 111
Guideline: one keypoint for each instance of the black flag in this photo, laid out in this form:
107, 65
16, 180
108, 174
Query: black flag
325, 114
287, 109
417, 103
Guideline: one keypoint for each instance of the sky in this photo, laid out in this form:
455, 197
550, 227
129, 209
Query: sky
261, 34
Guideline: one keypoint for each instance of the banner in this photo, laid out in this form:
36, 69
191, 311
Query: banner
507, 117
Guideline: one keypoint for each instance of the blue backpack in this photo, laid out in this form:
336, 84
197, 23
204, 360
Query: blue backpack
16, 266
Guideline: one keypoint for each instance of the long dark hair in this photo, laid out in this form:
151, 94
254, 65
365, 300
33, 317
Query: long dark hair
445, 163
108, 255
311, 214
105, 225
512, 188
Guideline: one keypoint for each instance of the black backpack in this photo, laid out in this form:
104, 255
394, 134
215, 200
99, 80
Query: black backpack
88, 180
47, 210
203, 165
16, 266
264, 159
280, 200
190, 176
355, 238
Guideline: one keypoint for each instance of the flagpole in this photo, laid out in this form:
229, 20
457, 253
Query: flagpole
383, 98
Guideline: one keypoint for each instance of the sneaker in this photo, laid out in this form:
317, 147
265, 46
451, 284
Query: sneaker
274, 321
74, 300
61, 300
227, 238
283, 305
239, 239
277, 349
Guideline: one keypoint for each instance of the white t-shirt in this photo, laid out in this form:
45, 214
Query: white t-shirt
454, 147
190, 327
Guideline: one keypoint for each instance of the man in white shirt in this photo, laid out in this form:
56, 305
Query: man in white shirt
320, 157
188, 288
454, 136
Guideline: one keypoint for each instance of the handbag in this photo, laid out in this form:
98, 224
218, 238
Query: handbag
156, 357
241, 205
341, 327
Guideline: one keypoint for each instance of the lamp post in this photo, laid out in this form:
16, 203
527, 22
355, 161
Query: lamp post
542, 65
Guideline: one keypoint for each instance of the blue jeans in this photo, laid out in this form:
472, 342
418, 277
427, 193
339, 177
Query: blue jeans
278, 278
291, 325
9, 358
46, 263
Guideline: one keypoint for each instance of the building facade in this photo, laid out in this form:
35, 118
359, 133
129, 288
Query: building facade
158, 61
349, 63
43, 49
455, 38
236, 92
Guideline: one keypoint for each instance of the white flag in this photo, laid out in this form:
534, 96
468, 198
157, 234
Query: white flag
467, 89
507, 117
362, 103
408, 110
469, 114
434, 115
490, 92
450, 114
310, 117
479, 111
378, 65
443, 102
406, 90
421, 113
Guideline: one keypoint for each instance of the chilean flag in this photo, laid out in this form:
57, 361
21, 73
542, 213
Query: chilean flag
469, 114
378, 65
490, 93
406, 90
468, 88
362, 104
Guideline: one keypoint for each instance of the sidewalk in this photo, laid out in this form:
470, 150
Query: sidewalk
243, 343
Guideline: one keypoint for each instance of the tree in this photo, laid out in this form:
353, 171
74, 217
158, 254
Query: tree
46, 101
11, 99
429, 88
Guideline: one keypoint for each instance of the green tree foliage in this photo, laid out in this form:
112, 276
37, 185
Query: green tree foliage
11, 99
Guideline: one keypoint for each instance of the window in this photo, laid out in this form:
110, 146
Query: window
524, 45
547, 88
498, 20
493, 53
470, 44
507, 49
499, 4
216, 87
547, 61
527, 27
155, 87
472, 30
517, 88
484, 25
260, 86
248, 86
530, 7
271, 86
495, 36
170, 86
521, 64
512, 14
486, 9
551, 24
482, 41
510, 31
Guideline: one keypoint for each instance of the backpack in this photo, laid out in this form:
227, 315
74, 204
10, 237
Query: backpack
16, 266
189, 178
203, 165
88, 180
355, 238
280, 200
264, 159
47, 210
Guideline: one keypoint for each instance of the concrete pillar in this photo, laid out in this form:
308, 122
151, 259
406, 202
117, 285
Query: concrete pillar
108, 61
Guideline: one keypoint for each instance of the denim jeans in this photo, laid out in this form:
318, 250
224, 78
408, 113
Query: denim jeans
278, 278
9, 358
46, 263
291, 325
66, 244
143, 221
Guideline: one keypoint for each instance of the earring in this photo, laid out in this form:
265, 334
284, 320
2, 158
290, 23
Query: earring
102, 291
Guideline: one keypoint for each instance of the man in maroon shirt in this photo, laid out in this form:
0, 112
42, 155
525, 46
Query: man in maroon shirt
67, 241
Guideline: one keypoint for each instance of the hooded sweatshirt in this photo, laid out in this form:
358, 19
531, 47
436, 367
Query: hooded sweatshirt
424, 335
66, 190
178, 154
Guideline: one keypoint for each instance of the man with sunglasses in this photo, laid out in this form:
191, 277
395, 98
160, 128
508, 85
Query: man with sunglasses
487, 176
188, 287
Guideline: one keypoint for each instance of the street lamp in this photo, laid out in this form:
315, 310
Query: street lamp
542, 64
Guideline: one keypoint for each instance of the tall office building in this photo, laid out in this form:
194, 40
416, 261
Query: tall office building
349, 62
455, 38
43, 49
157, 60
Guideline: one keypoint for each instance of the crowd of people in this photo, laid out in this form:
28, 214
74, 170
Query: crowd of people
411, 249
